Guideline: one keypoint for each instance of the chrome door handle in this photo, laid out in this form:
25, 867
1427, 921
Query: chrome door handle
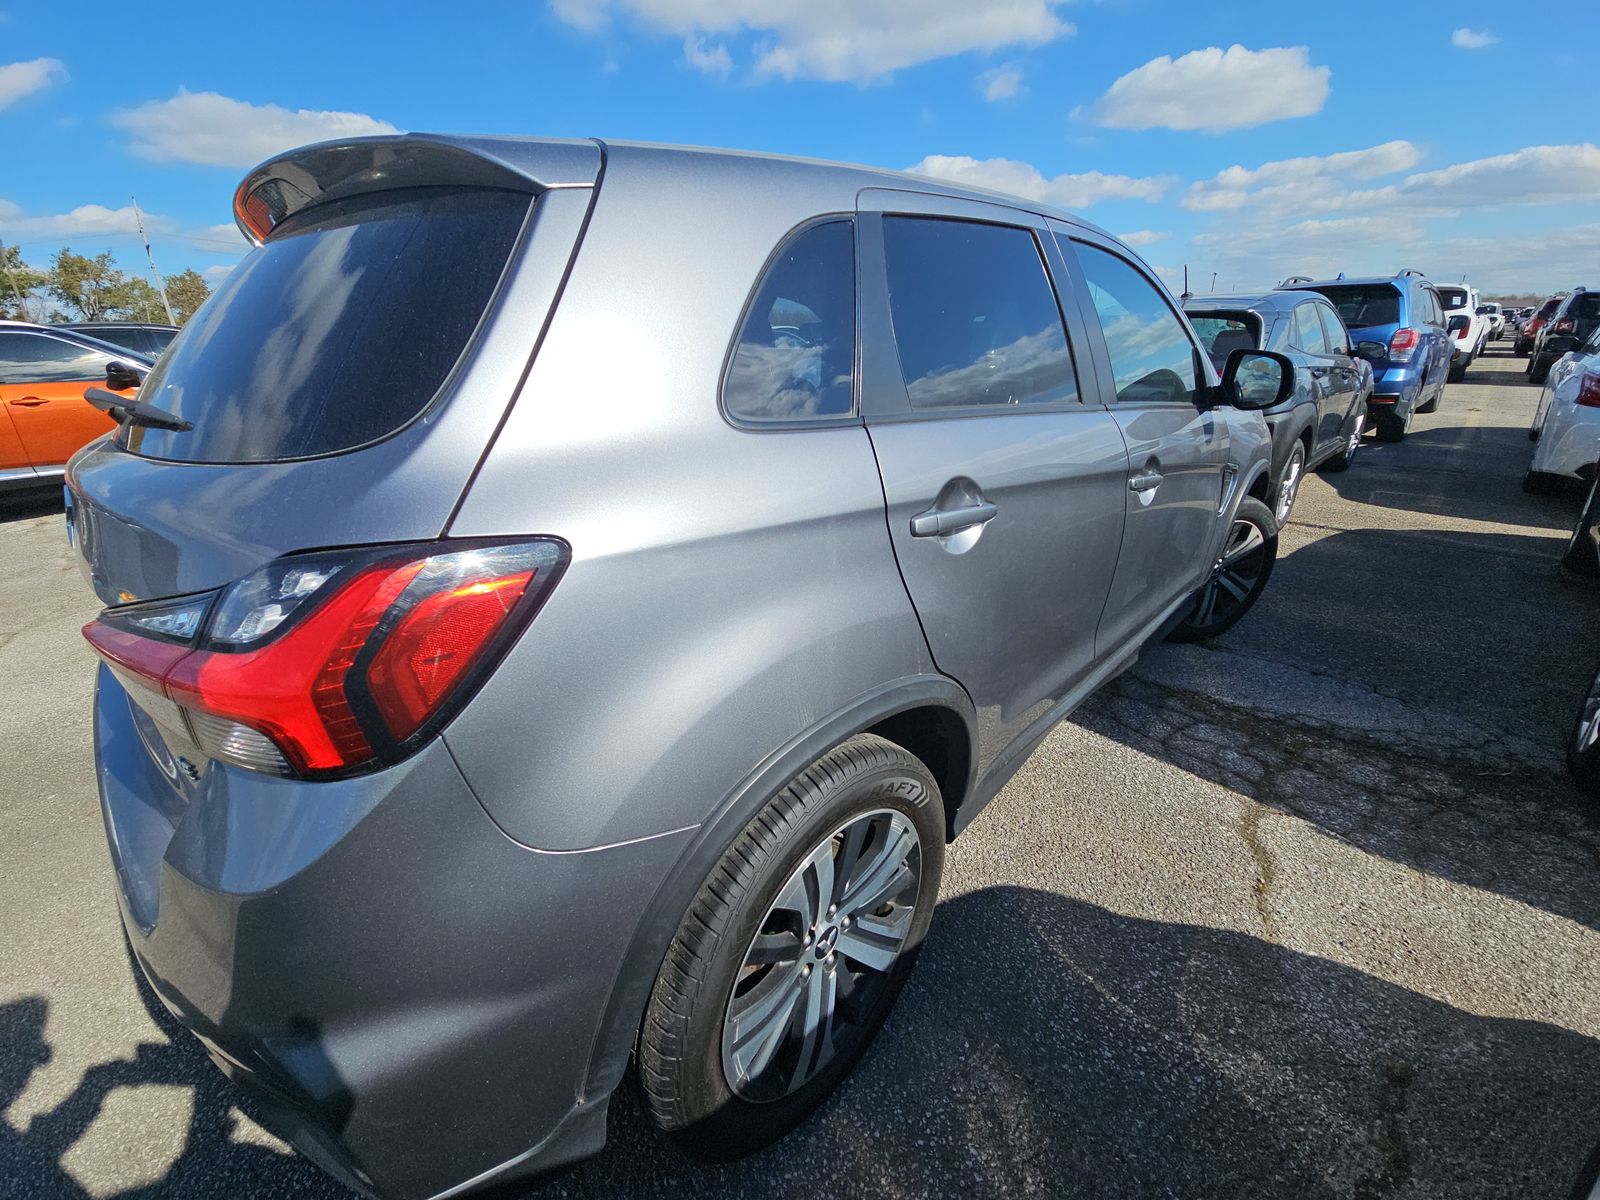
1145, 481
937, 522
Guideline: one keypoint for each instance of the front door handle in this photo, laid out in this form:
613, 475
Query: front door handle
1145, 481
30, 402
940, 522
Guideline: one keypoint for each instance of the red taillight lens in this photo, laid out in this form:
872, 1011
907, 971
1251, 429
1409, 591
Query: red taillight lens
1565, 325
328, 664
1403, 344
1589, 390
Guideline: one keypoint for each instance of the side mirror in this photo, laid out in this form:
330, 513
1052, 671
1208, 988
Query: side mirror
121, 376
1257, 379
1458, 322
1373, 352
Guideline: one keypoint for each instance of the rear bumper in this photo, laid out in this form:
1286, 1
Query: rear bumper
1569, 443
414, 995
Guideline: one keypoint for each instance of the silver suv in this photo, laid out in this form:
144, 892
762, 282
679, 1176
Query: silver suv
562, 597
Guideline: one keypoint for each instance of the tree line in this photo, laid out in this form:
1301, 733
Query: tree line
76, 287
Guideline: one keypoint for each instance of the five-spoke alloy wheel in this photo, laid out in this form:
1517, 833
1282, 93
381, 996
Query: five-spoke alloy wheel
1238, 576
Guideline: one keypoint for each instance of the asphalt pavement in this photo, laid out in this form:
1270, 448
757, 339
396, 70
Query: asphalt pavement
1309, 912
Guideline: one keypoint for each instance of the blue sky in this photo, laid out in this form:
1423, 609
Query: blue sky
1248, 139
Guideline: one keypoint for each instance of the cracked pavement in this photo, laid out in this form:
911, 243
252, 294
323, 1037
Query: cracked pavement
1309, 912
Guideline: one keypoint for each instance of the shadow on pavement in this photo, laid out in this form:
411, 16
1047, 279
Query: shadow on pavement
1044, 1047
30, 502
1409, 692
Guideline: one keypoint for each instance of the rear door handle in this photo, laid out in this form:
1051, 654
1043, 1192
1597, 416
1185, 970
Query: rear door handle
937, 522
1145, 481
30, 402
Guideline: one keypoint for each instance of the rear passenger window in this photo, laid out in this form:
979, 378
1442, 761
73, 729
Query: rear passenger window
1152, 357
1333, 329
1308, 330
975, 318
795, 358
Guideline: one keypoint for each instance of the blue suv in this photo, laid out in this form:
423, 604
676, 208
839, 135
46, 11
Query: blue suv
1404, 316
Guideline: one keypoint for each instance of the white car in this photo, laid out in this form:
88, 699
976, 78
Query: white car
1566, 423
1497, 319
1466, 340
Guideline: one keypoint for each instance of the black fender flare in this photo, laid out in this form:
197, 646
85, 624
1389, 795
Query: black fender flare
618, 1027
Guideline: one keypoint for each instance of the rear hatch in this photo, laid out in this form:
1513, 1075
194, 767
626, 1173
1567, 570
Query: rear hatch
346, 378
1222, 331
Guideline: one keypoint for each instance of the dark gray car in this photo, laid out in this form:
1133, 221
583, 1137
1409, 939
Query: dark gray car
1319, 424
562, 597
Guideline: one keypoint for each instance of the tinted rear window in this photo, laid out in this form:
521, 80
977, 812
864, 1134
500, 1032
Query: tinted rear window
1585, 307
1221, 333
1362, 305
1453, 297
337, 331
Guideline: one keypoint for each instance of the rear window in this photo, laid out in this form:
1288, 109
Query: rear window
1585, 307
1453, 297
1362, 305
1221, 333
338, 330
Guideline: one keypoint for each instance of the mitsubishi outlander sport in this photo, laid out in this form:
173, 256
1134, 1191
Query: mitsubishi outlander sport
561, 598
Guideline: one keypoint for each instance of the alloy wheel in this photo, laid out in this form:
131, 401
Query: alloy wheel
1587, 736
827, 943
1290, 486
1234, 577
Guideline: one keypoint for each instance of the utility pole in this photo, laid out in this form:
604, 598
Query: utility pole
161, 284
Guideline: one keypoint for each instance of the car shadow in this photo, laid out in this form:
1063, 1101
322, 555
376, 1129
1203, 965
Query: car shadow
1044, 1047
1408, 691
25, 503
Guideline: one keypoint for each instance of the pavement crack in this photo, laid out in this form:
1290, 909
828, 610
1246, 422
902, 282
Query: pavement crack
1393, 1137
1266, 872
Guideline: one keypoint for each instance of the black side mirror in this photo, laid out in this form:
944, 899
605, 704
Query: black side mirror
1458, 322
121, 376
1257, 379
1373, 352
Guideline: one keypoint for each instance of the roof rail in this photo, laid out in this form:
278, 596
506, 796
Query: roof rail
1409, 271
1294, 279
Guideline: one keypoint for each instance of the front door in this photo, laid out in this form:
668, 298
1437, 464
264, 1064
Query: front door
1004, 482
1177, 451
42, 381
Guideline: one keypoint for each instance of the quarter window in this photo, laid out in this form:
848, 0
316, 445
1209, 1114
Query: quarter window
975, 319
36, 358
1308, 330
795, 358
1152, 357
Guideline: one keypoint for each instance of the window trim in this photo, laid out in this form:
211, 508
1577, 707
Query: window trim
48, 336
790, 424
891, 375
1199, 398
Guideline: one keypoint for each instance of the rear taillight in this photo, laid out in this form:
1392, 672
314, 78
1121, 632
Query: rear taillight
1565, 325
330, 664
1589, 390
1403, 344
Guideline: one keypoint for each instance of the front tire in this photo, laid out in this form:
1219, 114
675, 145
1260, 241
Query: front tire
1342, 460
1542, 483
792, 954
1538, 368
1289, 484
1583, 748
1239, 576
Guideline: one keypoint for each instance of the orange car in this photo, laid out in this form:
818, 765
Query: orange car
43, 415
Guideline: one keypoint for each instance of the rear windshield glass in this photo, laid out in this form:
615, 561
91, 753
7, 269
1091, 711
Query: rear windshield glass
1585, 307
1362, 305
338, 330
1453, 297
1221, 333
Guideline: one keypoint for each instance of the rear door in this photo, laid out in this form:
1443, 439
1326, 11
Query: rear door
1343, 381
14, 463
1004, 475
42, 381
1177, 451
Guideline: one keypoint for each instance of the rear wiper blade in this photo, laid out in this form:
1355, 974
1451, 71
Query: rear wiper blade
134, 412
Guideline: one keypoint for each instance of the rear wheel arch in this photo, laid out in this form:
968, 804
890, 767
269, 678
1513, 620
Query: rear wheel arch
924, 709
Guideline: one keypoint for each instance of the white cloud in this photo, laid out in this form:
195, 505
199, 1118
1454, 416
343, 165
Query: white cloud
1001, 83
836, 40
218, 131
709, 60
1143, 237
1533, 175
21, 79
1472, 39
1305, 183
1021, 179
87, 220
1216, 90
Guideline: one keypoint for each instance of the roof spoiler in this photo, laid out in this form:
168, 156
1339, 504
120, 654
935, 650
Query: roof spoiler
282, 186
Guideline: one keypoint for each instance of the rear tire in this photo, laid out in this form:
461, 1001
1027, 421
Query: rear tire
1457, 373
1582, 556
1294, 471
1239, 577
759, 958
1390, 428
1342, 460
1583, 748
